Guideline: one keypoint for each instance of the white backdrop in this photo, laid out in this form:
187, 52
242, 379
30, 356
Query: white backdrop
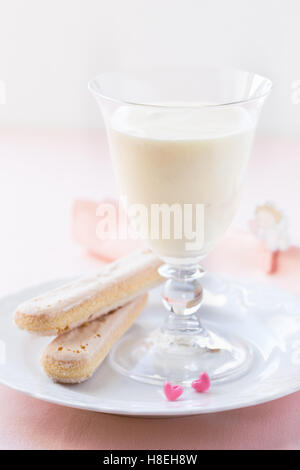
49, 50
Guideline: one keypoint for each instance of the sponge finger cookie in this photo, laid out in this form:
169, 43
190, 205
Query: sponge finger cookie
90, 297
74, 356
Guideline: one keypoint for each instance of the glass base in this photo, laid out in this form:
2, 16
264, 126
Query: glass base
160, 356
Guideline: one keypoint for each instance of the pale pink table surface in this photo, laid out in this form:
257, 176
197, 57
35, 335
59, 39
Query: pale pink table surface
40, 175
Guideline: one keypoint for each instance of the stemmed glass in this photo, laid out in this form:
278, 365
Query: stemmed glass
180, 143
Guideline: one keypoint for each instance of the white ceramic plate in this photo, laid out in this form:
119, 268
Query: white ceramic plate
268, 318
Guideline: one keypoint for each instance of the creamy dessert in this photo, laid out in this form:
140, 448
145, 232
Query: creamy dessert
183, 156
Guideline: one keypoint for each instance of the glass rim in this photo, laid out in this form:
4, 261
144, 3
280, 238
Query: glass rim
95, 91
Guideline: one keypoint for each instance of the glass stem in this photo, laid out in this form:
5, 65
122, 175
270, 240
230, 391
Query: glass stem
182, 296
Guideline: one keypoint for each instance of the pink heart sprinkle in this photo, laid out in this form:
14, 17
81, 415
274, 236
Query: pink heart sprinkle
202, 384
172, 392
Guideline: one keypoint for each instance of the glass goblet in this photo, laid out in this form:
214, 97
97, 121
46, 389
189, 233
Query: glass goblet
180, 142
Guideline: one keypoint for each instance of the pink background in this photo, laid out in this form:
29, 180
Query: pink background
40, 177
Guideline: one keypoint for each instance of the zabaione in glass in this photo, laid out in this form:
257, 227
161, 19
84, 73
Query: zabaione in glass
180, 141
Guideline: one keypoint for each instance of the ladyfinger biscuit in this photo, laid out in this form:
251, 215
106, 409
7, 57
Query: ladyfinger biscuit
74, 356
89, 297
